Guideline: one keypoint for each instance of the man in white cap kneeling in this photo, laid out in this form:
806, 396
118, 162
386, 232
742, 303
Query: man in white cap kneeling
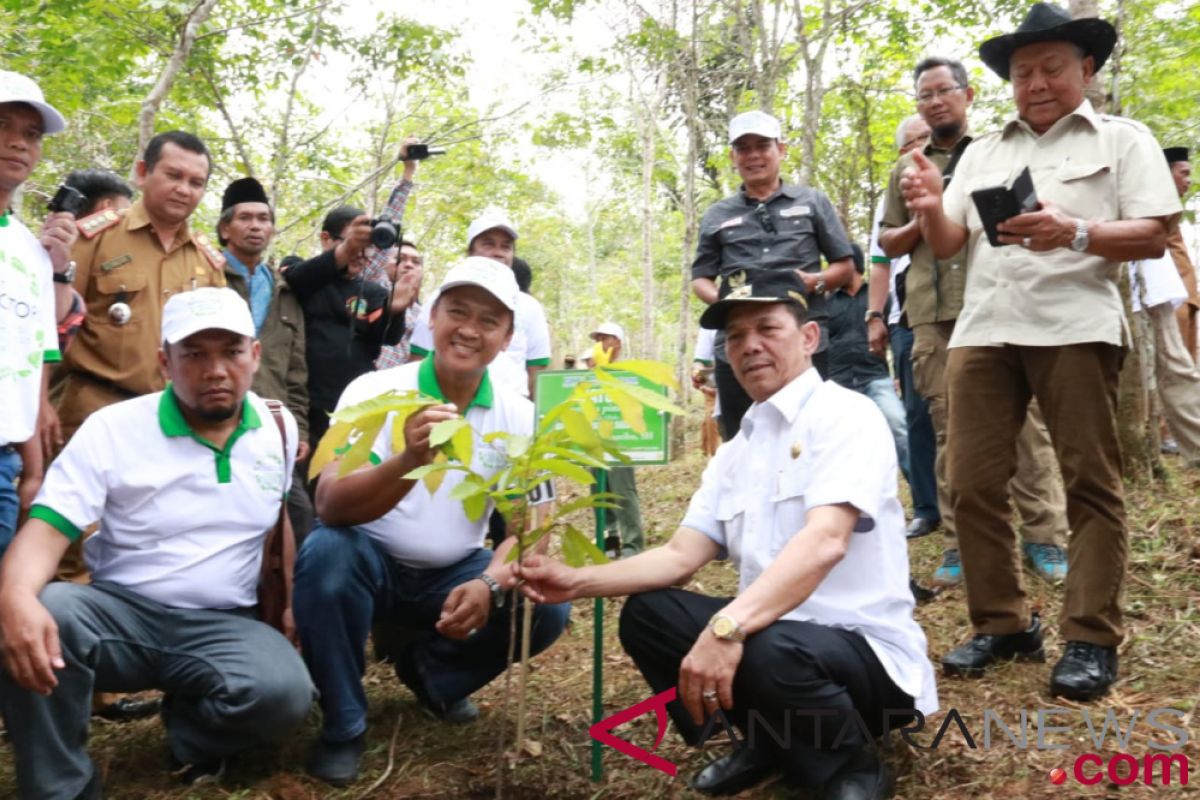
389, 550
184, 484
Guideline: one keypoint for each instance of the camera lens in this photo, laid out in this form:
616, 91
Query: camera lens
383, 234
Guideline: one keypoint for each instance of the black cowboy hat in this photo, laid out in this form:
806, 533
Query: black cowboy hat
754, 285
1047, 22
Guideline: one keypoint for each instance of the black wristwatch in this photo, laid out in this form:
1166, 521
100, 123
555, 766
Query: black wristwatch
495, 588
66, 276
874, 315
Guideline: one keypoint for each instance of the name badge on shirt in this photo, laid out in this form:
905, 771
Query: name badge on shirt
796, 211
730, 223
111, 264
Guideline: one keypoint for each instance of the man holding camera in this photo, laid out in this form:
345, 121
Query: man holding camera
126, 266
37, 292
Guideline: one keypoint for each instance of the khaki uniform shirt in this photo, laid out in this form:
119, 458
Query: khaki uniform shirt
125, 262
1183, 263
933, 288
1093, 166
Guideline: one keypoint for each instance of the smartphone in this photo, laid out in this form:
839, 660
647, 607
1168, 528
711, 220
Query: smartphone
420, 152
998, 203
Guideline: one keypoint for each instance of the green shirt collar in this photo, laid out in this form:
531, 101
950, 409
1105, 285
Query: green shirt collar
427, 384
173, 423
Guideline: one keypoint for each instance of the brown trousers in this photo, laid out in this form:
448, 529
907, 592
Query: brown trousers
1036, 489
1076, 387
1185, 315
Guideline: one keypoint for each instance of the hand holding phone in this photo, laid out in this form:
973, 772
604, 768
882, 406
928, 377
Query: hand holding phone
999, 203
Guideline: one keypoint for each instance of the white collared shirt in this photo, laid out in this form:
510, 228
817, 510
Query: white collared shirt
814, 443
180, 523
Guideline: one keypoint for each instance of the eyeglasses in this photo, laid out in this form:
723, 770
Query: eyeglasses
765, 219
925, 98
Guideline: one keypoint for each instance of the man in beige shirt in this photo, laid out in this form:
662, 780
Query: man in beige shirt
1042, 318
932, 302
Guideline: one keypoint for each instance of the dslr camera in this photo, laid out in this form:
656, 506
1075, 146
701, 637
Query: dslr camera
68, 199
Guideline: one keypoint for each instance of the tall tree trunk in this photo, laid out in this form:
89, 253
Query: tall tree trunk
166, 79
282, 144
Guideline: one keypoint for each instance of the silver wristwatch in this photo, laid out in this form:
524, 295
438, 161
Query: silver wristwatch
1080, 242
495, 588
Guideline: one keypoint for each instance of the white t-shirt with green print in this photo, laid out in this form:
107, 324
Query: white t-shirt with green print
28, 332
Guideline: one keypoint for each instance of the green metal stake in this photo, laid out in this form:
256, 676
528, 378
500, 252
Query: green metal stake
598, 641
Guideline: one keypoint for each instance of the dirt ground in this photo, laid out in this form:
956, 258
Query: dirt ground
412, 756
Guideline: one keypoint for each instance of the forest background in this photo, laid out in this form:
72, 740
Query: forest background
598, 124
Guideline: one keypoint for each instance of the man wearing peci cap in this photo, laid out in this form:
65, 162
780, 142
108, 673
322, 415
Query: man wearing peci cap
36, 293
493, 235
803, 500
1042, 318
767, 224
184, 484
626, 520
389, 550
1181, 170
245, 229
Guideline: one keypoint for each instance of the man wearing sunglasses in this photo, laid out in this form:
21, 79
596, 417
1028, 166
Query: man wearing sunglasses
772, 225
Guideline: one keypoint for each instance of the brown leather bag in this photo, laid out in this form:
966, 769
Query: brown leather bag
279, 556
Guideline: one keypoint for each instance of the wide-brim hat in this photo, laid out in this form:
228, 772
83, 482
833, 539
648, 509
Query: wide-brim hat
763, 286
1047, 22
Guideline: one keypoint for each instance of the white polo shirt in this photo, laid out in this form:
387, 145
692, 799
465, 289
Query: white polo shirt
428, 531
181, 522
530, 345
814, 443
28, 331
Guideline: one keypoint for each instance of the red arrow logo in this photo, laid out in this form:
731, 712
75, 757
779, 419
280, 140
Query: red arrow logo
657, 703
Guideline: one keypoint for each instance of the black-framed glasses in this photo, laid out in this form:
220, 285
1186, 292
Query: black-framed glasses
765, 219
927, 97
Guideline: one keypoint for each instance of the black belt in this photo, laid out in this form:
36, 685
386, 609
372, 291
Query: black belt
105, 384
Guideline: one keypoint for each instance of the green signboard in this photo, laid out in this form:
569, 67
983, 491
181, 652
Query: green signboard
554, 386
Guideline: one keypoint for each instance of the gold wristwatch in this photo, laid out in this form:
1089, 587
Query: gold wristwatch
725, 627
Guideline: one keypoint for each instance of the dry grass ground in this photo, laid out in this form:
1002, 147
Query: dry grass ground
1160, 668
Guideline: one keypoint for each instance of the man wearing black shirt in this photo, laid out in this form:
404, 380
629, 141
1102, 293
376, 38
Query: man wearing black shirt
766, 224
347, 319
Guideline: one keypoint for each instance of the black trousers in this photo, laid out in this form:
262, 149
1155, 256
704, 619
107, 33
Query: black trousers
800, 691
733, 398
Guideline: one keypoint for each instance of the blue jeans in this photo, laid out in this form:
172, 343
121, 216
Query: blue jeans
345, 580
231, 683
883, 393
922, 445
10, 468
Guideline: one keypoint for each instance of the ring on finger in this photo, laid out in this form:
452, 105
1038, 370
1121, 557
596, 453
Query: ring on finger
709, 695
1027, 241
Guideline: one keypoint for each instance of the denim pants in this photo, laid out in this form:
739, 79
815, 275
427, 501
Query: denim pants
231, 682
345, 580
922, 443
10, 468
883, 393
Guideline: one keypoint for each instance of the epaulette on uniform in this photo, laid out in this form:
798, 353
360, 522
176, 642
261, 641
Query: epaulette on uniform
1133, 123
93, 225
215, 257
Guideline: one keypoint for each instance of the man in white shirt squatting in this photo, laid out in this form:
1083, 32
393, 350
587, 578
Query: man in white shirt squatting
803, 500
184, 483
389, 551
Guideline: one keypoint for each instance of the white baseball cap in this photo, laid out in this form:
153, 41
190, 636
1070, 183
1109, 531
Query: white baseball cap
759, 123
489, 219
210, 308
488, 274
16, 88
609, 329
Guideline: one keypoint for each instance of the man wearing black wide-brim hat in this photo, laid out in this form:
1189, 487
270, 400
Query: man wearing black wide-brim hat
1042, 317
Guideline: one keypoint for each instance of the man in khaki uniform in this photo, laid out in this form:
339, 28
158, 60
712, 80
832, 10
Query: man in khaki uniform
1042, 317
1181, 171
127, 266
933, 301
245, 229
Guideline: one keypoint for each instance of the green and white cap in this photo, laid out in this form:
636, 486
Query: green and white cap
205, 309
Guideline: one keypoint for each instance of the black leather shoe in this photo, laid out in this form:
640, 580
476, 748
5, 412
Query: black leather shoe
1086, 671
128, 709
920, 527
336, 763
867, 779
971, 659
729, 774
